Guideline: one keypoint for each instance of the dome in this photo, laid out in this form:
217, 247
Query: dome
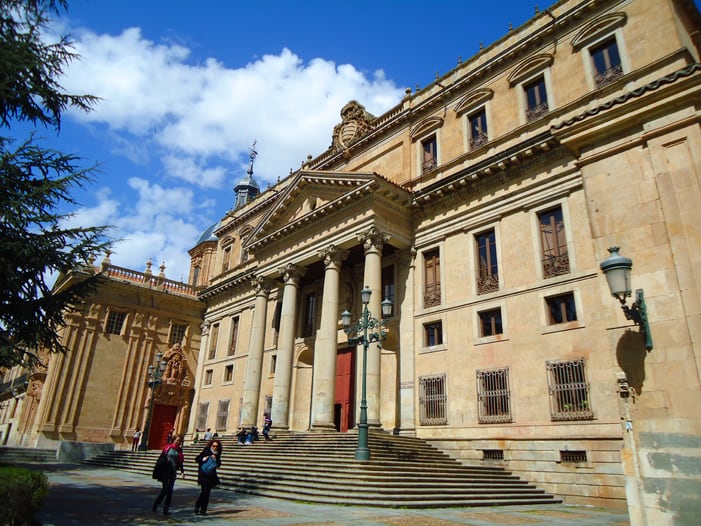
208, 234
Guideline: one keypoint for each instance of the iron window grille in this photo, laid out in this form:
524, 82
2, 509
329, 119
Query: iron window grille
177, 333
115, 322
478, 129
432, 400
429, 148
573, 456
607, 63
202, 411
222, 414
493, 396
492, 454
569, 390
536, 99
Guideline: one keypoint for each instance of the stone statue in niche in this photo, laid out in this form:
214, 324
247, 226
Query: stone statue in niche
175, 369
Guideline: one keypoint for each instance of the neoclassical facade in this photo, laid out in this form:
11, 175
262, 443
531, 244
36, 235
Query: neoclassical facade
482, 206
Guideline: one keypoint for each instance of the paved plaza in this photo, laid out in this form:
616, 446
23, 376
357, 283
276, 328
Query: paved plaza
81, 495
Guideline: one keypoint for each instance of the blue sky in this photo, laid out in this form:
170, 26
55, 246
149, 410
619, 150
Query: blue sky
186, 86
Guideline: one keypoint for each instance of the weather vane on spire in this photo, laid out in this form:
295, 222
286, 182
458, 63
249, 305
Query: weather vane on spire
252, 156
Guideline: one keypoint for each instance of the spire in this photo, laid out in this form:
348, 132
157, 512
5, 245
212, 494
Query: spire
247, 189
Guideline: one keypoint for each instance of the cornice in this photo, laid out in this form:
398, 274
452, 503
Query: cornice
239, 280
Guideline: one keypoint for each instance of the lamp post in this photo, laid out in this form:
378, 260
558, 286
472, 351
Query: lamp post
362, 336
155, 375
617, 268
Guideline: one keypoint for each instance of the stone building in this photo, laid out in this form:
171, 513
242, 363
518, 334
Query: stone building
482, 206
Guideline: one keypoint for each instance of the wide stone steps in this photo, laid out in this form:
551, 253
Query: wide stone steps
320, 467
19, 455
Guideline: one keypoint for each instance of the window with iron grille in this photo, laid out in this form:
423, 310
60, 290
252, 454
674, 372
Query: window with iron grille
493, 396
490, 322
222, 415
573, 456
569, 390
115, 322
213, 340
429, 148
177, 333
202, 411
607, 62
432, 278
433, 334
234, 335
229, 373
478, 129
561, 308
536, 99
492, 454
309, 315
553, 241
432, 400
488, 271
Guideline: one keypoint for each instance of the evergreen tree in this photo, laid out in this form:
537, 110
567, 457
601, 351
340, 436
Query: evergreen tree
34, 182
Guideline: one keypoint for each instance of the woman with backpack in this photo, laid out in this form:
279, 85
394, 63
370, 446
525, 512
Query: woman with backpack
208, 461
174, 461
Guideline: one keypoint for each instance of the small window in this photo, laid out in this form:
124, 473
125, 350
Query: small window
196, 277
388, 283
115, 322
478, 129
234, 335
492, 454
488, 272
202, 411
429, 148
433, 334
432, 278
574, 456
569, 390
607, 62
222, 415
213, 340
536, 99
229, 374
555, 257
177, 333
561, 309
226, 259
208, 375
273, 364
490, 322
309, 315
432, 400
493, 396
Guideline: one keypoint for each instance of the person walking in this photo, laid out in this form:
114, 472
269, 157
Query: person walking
135, 439
176, 459
267, 424
208, 461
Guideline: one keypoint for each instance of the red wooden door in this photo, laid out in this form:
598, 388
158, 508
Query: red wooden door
344, 401
161, 422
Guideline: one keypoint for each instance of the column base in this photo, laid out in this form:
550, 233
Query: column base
323, 428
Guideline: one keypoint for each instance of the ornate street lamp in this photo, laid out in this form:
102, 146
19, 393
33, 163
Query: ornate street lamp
362, 336
617, 268
155, 375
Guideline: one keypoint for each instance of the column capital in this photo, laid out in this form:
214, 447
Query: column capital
262, 285
332, 256
373, 239
292, 274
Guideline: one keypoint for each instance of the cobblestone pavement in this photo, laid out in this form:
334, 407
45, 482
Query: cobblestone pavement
85, 495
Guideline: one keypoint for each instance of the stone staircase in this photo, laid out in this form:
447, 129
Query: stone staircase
20, 455
320, 468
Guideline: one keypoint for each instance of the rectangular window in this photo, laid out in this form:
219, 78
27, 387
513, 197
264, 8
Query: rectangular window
433, 334
234, 335
478, 129
115, 322
429, 148
432, 400
490, 322
309, 315
196, 277
268, 406
273, 364
432, 278
488, 274
208, 375
229, 373
561, 309
277, 316
213, 337
536, 99
607, 62
177, 333
202, 411
569, 390
493, 396
388, 283
222, 415
556, 261
226, 259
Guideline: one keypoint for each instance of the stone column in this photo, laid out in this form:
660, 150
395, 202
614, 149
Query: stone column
372, 241
254, 363
407, 388
326, 344
292, 276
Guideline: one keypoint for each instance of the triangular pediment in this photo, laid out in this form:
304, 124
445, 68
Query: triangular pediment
309, 197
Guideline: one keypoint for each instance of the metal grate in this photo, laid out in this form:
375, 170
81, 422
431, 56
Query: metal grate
432, 400
202, 415
115, 321
177, 333
573, 456
493, 396
569, 391
222, 415
492, 454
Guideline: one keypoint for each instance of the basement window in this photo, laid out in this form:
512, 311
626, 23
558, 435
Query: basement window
492, 454
573, 456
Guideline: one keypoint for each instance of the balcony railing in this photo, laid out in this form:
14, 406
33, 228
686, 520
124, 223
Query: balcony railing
556, 265
609, 76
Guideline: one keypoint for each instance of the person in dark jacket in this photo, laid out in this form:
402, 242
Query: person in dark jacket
207, 480
176, 459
